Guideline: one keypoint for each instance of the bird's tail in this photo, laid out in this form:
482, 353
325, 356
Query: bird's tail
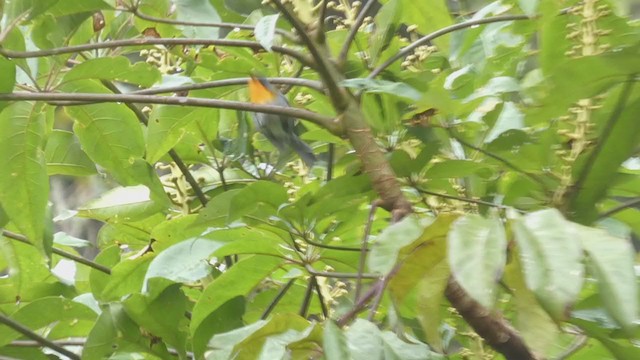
303, 150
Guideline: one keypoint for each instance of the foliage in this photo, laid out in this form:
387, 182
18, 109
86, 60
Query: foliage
511, 128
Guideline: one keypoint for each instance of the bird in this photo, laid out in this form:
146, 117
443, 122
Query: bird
278, 129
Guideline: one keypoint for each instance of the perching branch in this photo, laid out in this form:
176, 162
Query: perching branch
328, 123
33, 336
21, 238
304, 59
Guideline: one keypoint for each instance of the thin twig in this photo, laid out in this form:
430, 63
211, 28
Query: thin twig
172, 153
41, 340
506, 162
376, 300
579, 343
222, 25
330, 160
623, 206
339, 275
277, 299
324, 121
64, 254
359, 305
427, 38
153, 41
364, 249
304, 307
459, 198
320, 37
323, 66
323, 306
344, 51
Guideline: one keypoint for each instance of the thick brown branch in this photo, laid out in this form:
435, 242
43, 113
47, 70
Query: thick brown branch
328, 123
492, 327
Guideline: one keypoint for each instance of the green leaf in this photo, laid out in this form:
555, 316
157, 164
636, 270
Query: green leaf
334, 345
161, 312
386, 247
121, 204
386, 23
257, 198
30, 8
109, 133
116, 332
261, 340
198, 11
66, 7
265, 30
510, 118
428, 16
529, 7
477, 254
167, 125
455, 169
239, 280
126, 278
551, 258
612, 263
115, 69
537, 328
363, 338
8, 79
383, 86
24, 189
65, 157
29, 275
616, 143
44, 311
184, 262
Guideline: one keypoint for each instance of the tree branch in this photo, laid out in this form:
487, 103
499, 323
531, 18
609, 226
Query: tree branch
304, 59
328, 123
616, 209
21, 238
328, 73
312, 84
222, 25
492, 327
436, 34
41, 340
506, 162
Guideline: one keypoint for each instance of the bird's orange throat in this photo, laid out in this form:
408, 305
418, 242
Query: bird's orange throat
258, 94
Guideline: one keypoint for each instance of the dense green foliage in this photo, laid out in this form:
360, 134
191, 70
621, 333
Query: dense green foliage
516, 141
